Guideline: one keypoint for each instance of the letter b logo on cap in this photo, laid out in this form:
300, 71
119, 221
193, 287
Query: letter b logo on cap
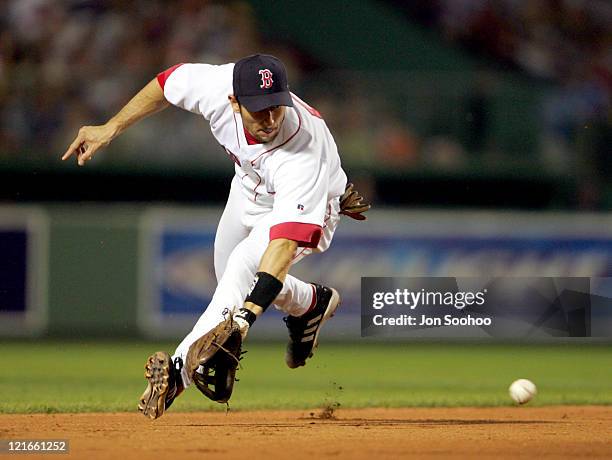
266, 79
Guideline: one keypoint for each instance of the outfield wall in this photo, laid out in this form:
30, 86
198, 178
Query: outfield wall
147, 271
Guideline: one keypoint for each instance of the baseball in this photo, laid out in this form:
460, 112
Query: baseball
522, 391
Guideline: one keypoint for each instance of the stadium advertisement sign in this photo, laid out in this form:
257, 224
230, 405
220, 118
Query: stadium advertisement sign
178, 276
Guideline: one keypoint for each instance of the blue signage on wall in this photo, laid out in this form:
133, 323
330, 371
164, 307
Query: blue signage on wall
13, 271
23, 270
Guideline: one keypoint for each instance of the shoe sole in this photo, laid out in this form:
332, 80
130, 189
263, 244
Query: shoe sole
157, 372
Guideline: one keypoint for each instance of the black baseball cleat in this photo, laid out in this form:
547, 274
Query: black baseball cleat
164, 385
304, 330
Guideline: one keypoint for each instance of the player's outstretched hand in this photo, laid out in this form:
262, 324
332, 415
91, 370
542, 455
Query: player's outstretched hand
88, 141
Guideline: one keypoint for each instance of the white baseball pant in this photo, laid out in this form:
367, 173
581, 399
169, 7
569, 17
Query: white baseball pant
241, 239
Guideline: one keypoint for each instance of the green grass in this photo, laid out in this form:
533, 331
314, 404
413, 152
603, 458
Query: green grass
100, 376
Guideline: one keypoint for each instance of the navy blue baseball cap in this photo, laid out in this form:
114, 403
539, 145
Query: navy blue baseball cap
260, 81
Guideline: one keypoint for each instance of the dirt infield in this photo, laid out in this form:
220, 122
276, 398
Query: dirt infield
546, 432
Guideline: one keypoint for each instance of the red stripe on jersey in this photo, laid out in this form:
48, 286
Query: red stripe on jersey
163, 76
236, 125
305, 235
311, 110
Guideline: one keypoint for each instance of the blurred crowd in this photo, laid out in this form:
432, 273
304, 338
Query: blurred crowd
73, 62
551, 39
567, 43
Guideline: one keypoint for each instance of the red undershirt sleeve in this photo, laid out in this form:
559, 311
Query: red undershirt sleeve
306, 235
163, 76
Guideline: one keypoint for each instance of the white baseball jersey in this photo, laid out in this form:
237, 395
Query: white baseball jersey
294, 177
287, 188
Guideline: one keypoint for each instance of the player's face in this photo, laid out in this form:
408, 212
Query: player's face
263, 125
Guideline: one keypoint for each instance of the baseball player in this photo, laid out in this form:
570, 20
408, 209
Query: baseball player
284, 204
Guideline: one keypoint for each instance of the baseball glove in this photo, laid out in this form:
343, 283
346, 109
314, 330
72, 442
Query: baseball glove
213, 359
352, 205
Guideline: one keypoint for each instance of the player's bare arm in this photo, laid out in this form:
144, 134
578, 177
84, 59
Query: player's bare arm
277, 258
90, 139
276, 262
271, 274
